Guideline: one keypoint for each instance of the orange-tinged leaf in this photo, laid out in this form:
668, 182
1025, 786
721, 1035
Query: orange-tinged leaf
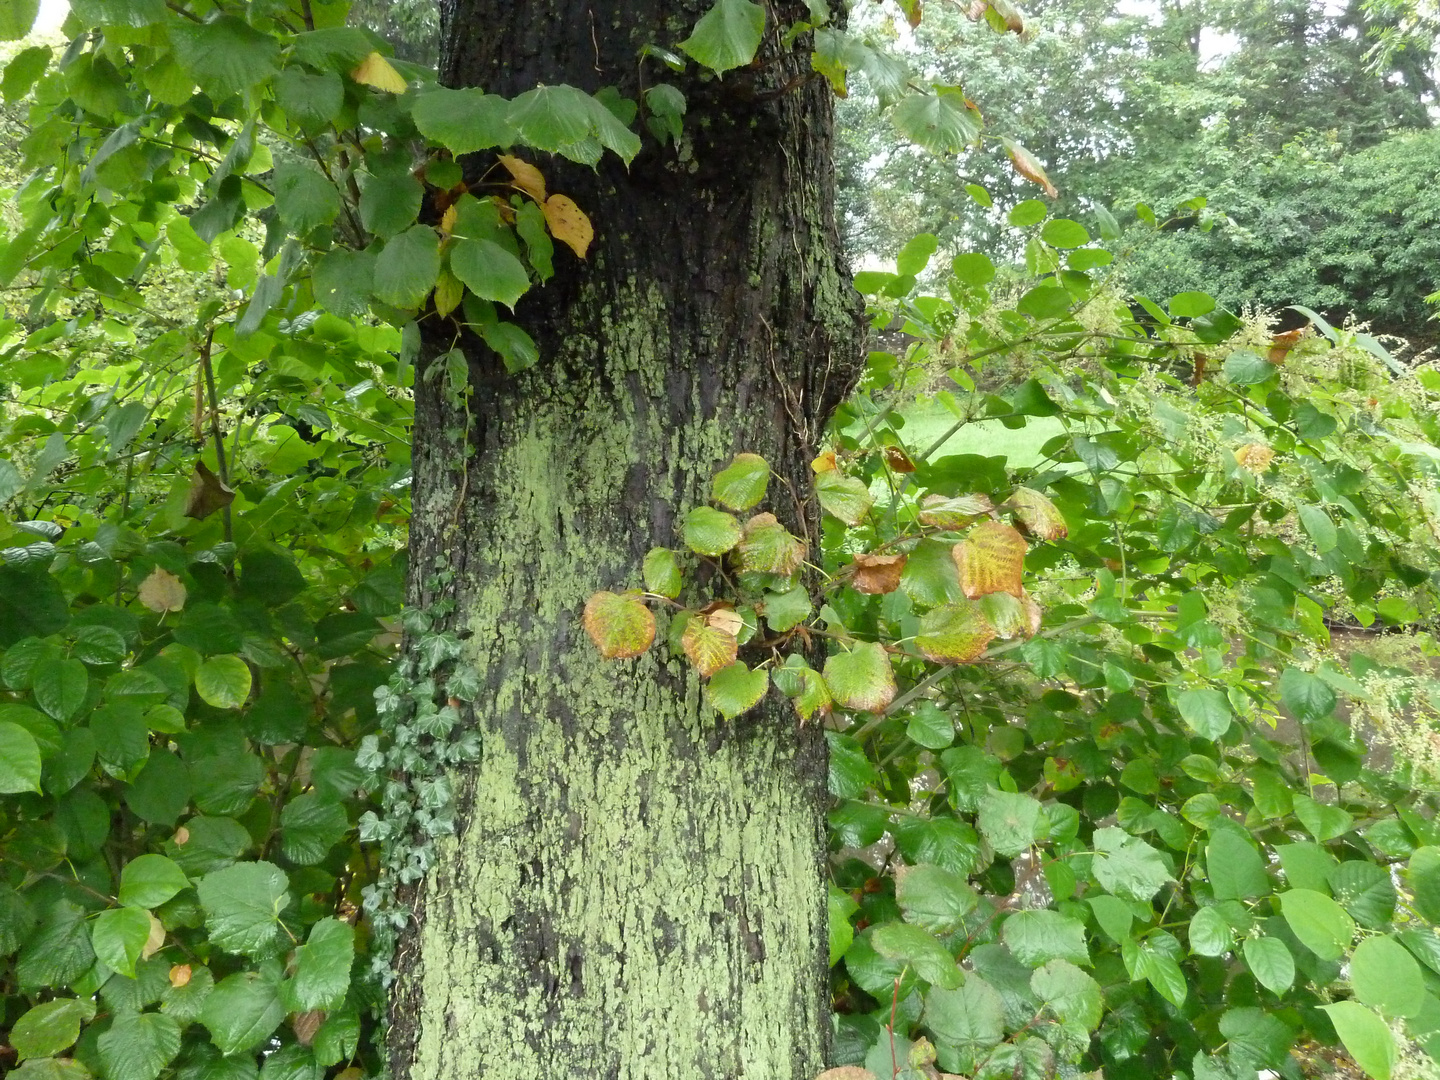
620, 626
162, 591
1281, 344
767, 547
898, 460
991, 559
376, 71
568, 223
1255, 457
1036, 514
953, 512
1028, 166
877, 574
526, 177
1010, 15
708, 646
823, 463
954, 633
180, 975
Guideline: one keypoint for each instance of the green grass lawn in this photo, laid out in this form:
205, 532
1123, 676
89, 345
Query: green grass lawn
926, 421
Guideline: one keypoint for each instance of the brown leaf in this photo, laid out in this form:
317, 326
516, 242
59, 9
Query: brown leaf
947, 512
376, 71
162, 591
207, 494
1028, 166
877, 574
708, 646
898, 460
568, 223
527, 177
180, 975
1036, 514
1281, 344
306, 1024
1034, 616
727, 620
1255, 457
991, 559
1011, 15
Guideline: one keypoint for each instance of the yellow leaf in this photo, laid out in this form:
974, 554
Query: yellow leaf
568, 223
991, 559
620, 626
1028, 166
824, 463
447, 219
708, 644
155, 940
1254, 456
448, 292
162, 591
526, 177
180, 975
376, 71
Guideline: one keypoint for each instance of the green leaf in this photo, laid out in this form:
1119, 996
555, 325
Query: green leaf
304, 199
310, 825
1321, 529
934, 898
839, 907
1235, 869
19, 760
1205, 711
464, 121
407, 267
50, 1069
1322, 821
930, 726
727, 36
48, 1029
741, 484
1308, 698
861, 679
1210, 934
1010, 822
149, 880
310, 100
1386, 977
1423, 876
1245, 368
223, 681
970, 1018
767, 547
843, 496
1367, 1038
920, 950
662, 573
1064, 233
322, 967
1270, 962
60, 687
226, 54
489, 271
161, 791
1321, 924
16, 19
784, 611
955, 633
1190, 305
515, 346
21, 74
1127, 866
242, 1011
942, 122
1073, 996
139, 1045
711, 532
735, 688
850, 772
118, 936
242, 905
57, 953
1037, 937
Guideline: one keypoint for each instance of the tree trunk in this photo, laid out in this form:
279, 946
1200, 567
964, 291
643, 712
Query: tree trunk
636, 888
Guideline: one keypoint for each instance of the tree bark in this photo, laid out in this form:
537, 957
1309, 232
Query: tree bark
636, 888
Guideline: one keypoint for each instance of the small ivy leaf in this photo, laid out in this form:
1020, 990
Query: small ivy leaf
953, 512
662, 573
727, 36
525, 176
621, 626
1037, 515
877, 574
742, 483
1028, 165
568, 223
843, 496
767, 547
708, 531
378, 72
954, 633
709, 646
991, 558
735, 688
861, 679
